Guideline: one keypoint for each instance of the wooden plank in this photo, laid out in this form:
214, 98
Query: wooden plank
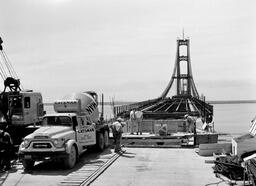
217, 148
209, 152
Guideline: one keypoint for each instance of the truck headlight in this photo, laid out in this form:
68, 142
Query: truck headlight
25, 143
59, 142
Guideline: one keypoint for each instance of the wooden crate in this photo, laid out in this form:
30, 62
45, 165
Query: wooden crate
206, 138
243, 144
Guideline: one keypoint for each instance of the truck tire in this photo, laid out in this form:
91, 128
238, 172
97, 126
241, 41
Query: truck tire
100, 142
28, 163
106, 141
70, 161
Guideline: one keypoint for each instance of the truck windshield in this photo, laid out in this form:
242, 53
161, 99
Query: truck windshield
57, 121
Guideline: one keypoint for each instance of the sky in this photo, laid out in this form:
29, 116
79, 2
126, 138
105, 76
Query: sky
126, 49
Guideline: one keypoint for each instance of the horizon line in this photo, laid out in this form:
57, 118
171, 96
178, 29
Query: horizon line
210, 101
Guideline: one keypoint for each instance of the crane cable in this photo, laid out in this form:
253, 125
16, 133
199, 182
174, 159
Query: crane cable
8, 65
2, 72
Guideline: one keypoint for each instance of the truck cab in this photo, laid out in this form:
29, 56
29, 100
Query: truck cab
63, 135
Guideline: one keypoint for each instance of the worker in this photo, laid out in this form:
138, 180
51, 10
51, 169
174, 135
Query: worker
6, 147
190, 123
206, 127
117, 129
209, 118
163, 130
211, 125
208, 123
139, 118
200, 123
132, 120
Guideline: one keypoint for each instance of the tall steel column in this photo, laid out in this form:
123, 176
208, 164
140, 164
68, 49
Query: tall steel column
184, 79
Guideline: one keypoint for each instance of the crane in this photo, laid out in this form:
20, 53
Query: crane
18, 108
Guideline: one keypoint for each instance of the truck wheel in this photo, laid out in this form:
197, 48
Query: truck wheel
106, 142
100, 142
28, 164
70, 161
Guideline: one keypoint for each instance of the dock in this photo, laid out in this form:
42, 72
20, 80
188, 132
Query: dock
136, 166
158, 166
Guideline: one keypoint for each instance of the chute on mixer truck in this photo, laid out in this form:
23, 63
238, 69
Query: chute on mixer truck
66, 134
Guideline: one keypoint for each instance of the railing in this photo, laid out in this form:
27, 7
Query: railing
122, 109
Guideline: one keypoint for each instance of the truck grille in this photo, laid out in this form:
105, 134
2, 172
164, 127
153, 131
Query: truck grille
41, 137
42, 145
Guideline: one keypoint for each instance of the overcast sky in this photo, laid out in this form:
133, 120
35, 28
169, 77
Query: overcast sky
126, 49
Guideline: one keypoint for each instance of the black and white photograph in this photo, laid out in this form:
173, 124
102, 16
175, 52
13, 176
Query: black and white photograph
127, 92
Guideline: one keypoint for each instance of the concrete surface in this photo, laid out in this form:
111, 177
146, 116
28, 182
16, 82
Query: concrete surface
47, 173
159, 167
137, 166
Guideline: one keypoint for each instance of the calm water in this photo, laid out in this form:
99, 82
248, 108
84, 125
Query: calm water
234, 118
229, 118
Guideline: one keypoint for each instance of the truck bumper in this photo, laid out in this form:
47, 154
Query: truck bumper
39, 156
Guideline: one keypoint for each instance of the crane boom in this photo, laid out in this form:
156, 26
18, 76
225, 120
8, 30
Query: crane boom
8, 73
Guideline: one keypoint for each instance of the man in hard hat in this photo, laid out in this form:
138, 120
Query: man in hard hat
190, 123
117, 129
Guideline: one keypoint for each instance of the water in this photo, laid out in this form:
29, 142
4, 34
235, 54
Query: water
234, 119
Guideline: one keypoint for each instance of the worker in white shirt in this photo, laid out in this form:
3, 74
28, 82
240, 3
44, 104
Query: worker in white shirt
132, 120
190, 123
139, 118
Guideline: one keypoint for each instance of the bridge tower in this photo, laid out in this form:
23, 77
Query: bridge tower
182, 72
185, 101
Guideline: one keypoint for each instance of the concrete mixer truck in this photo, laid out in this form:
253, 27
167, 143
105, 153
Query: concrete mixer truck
65, 134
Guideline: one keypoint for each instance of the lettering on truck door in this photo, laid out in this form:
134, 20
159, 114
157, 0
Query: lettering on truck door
86, 132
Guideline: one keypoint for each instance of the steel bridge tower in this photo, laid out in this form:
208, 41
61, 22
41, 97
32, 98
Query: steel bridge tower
184, 78
186, 99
